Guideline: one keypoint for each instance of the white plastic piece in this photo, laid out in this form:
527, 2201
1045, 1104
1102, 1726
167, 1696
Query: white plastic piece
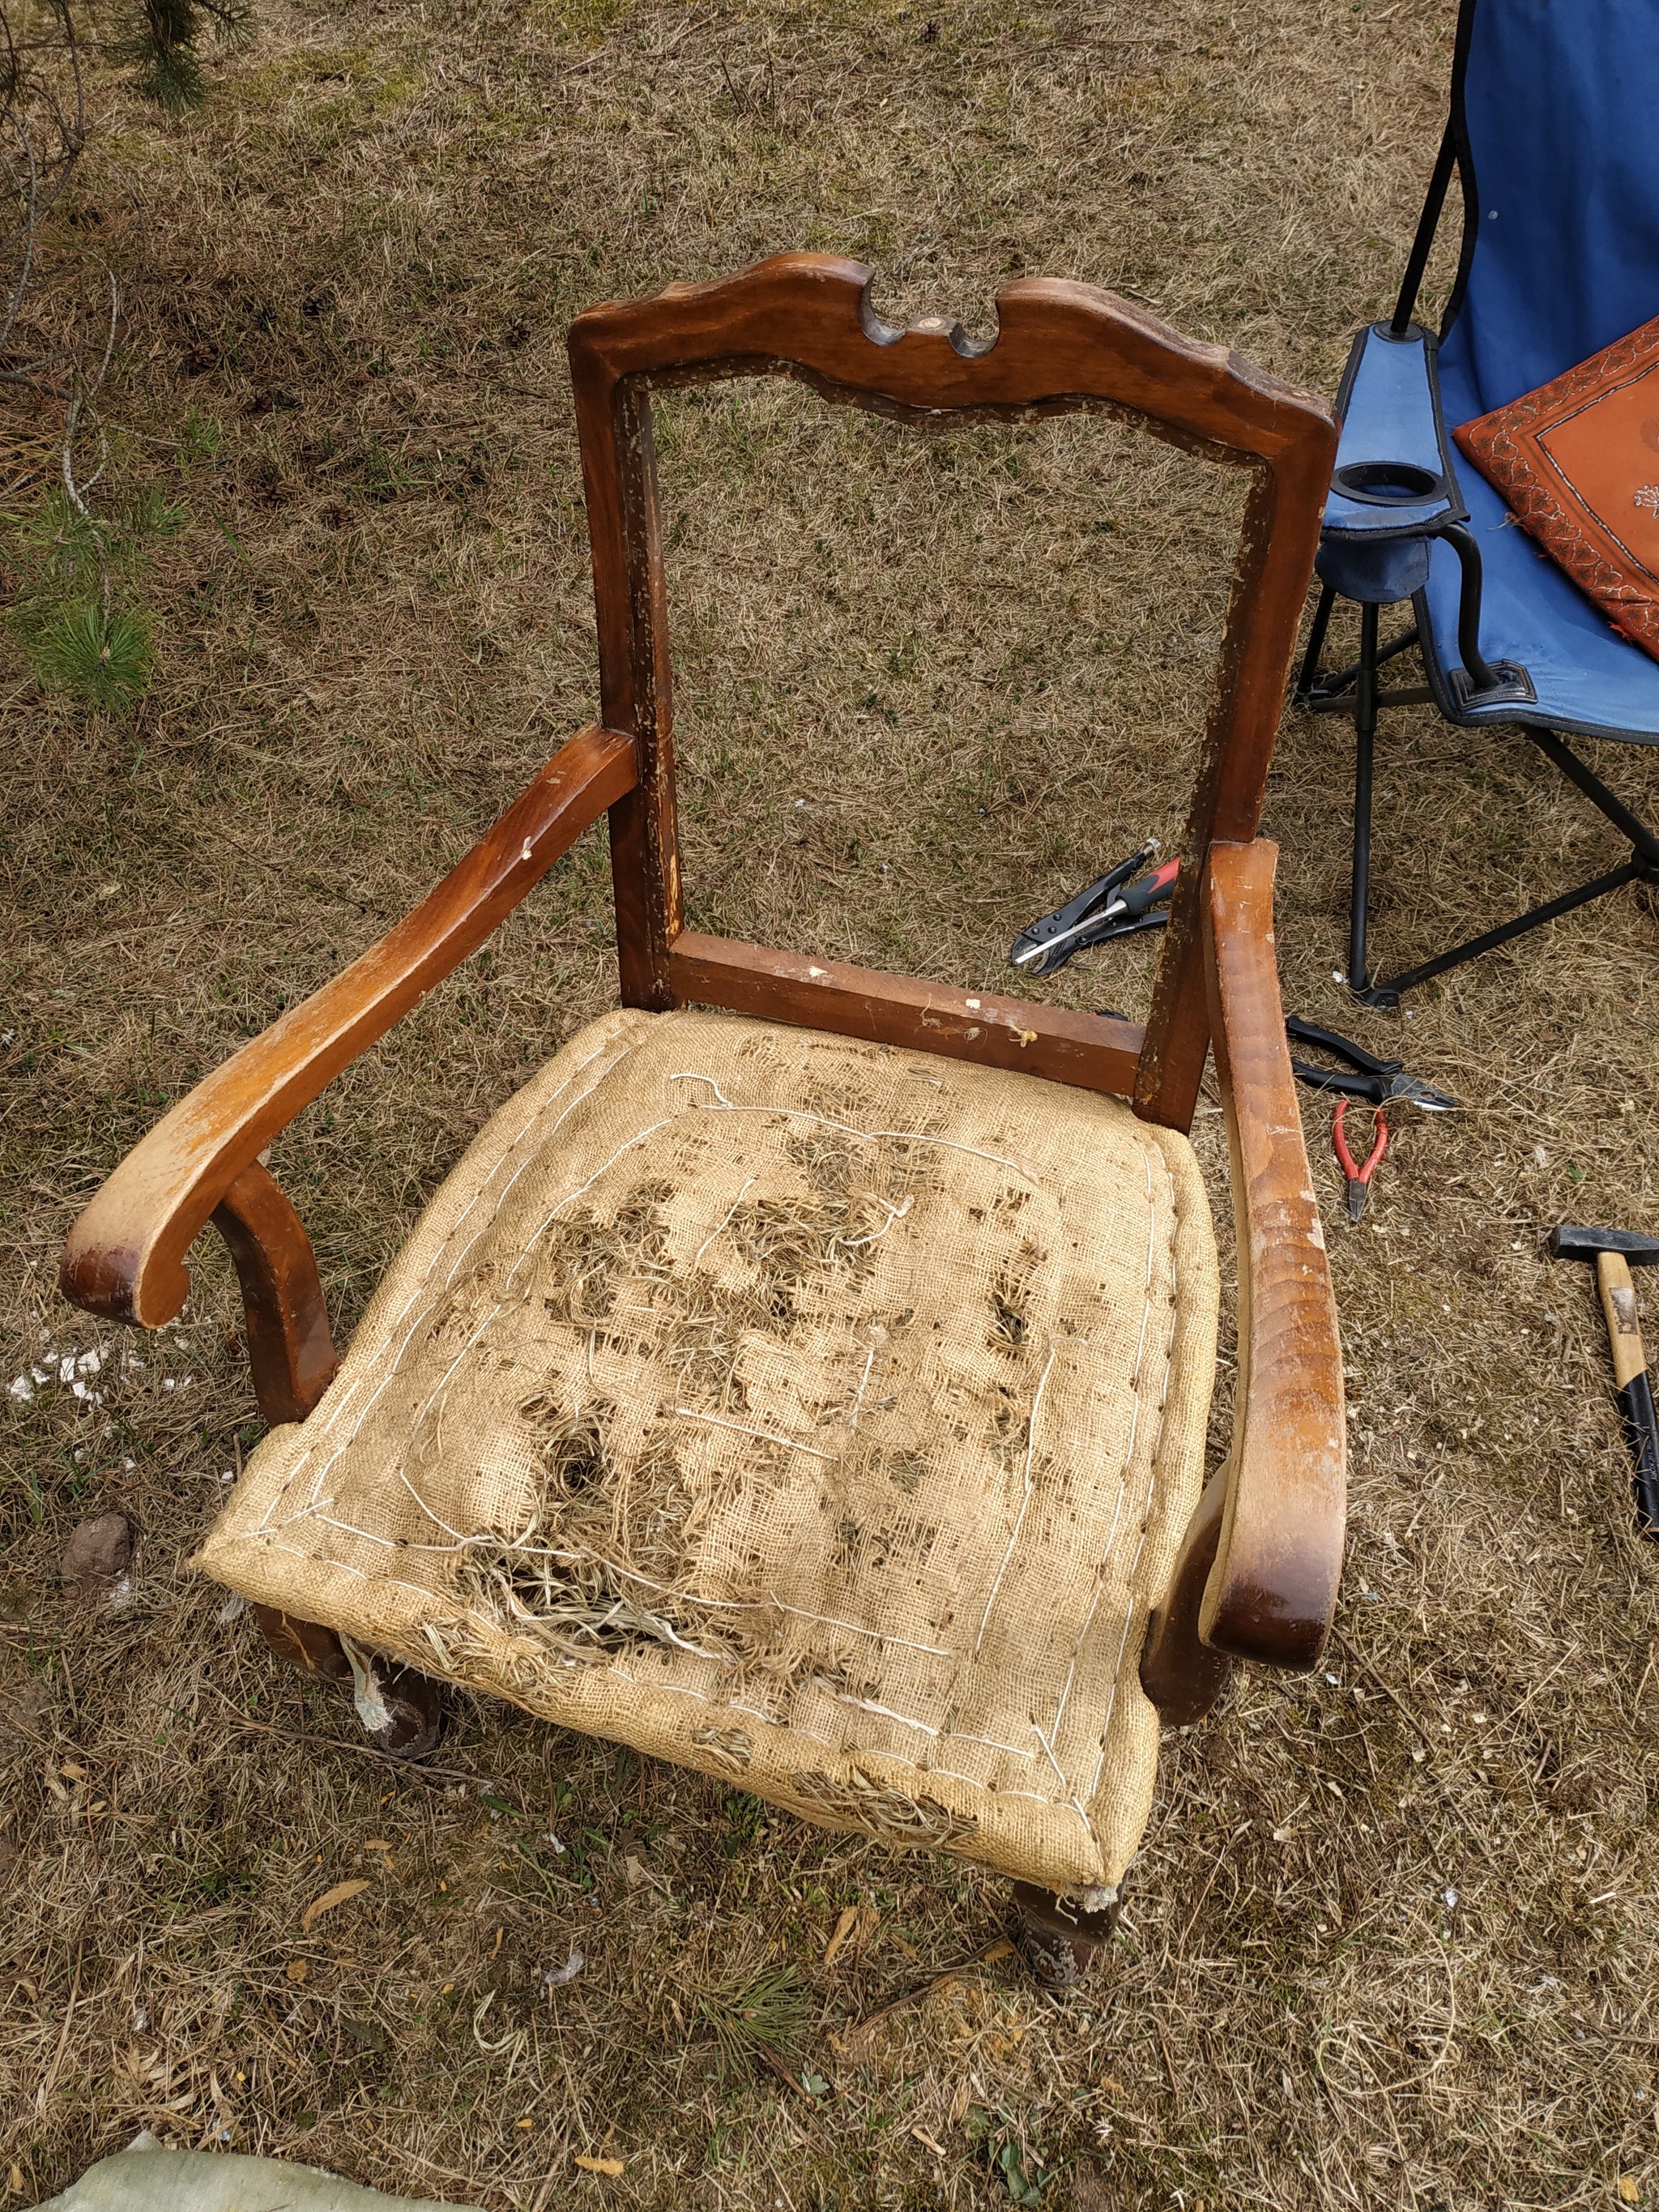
147, 2178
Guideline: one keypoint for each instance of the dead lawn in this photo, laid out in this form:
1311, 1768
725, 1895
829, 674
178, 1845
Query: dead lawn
1392, 1940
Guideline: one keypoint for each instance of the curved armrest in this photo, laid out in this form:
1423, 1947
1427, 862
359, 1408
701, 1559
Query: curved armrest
1272, 1591
125, 1256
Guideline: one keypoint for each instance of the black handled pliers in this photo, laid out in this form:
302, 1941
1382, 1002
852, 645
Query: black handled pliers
1365, 1077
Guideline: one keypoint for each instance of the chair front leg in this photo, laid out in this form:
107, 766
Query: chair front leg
400, 1709
293, 1362
305, 1643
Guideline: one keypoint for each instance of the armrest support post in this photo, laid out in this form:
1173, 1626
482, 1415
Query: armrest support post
290, 1348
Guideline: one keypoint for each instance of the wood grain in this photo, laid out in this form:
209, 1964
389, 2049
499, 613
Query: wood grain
1179, 1672
125, 1256
1272, 1591
1090, 1050
1618, 1293
1270, 584
302, 1643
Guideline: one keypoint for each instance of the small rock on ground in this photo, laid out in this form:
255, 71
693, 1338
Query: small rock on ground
97, 1557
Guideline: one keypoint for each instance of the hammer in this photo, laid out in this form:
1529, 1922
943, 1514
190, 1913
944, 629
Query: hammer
1616, 1252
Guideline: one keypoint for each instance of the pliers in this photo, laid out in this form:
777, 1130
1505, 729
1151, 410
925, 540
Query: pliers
1359, 1179
1365, 1077
1113, 907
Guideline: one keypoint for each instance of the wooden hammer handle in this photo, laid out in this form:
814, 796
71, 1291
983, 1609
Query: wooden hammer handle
1619, 1304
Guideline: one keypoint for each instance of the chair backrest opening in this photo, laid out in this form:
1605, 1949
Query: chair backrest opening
1059, 348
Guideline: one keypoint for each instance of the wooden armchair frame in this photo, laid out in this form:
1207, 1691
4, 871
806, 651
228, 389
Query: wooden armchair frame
1258, 1571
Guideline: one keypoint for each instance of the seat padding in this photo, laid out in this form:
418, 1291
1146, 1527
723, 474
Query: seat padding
820, 1414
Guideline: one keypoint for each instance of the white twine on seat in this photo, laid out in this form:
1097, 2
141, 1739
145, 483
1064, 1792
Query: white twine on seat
766, 1436
725, 1221
1019, 1518
725, 1105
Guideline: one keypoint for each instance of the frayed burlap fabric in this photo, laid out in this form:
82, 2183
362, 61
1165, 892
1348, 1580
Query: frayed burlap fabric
819, 1414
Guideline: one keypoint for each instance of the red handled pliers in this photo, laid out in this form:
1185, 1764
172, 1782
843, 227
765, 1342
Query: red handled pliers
1358, 1178
1364, 1077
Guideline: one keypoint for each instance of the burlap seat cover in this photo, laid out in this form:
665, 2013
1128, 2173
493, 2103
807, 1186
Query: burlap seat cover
820, 1414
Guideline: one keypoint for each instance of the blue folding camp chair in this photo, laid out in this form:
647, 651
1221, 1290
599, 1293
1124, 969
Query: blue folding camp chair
1555, 134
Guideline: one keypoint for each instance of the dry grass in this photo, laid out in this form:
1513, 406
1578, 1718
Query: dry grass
1392, 1940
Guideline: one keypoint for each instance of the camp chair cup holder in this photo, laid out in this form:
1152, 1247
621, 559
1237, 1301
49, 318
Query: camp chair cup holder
1389, 483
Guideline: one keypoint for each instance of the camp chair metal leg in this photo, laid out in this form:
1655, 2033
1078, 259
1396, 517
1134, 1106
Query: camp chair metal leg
1608, 802
1355, 691
1335, 693
1390, 993
1364, 728
1322, 621
1643, 867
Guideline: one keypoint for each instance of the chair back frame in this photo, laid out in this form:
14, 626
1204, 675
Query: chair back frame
1060, 348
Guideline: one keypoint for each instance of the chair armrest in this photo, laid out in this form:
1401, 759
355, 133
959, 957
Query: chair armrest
125, 1256
1272, 1591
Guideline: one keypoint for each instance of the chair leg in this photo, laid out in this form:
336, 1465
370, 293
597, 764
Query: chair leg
302, 1643
1643, 867
1364, 726
1059, 1939
400, 1709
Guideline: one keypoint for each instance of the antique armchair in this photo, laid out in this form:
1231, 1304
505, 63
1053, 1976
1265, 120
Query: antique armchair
812, 1391
1551, 134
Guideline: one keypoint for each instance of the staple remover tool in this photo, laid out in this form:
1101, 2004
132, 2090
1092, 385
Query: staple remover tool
1113, 907
1365, 1077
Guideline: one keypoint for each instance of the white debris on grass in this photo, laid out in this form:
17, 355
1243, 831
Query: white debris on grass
69, 1368
556, 1977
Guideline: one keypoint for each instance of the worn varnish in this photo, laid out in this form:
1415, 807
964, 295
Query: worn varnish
1272, 1591
1060, 348
1094, 1052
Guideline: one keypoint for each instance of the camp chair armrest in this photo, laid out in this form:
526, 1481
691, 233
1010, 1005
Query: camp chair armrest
125, 1256
1272, 1591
